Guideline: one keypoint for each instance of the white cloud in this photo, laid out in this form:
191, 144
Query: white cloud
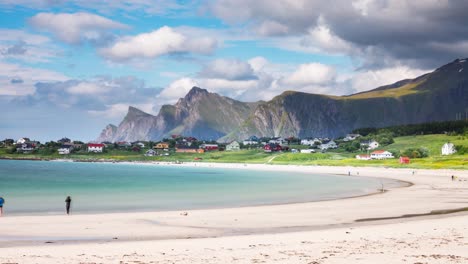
21, 45
366, 80
89, 88
20, 80
272, 28
73, 28
115, 111
230, 88
228, 69
13, 35
177, 89
311, 73
162, 41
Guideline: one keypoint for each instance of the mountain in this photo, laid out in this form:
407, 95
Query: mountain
437, 96
200, 114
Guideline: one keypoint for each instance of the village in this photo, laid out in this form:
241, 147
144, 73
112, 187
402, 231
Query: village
366, 148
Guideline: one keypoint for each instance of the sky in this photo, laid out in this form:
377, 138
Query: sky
69, 68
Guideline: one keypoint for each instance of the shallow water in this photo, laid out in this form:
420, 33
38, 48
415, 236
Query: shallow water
40, 187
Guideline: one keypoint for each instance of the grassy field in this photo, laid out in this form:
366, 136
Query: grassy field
339, 158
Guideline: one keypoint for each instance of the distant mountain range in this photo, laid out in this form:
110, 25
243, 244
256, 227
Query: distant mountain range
437, 96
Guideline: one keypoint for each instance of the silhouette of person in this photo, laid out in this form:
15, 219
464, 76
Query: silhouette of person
2, 201
67, 204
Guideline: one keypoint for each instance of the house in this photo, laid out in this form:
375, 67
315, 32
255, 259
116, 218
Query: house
309, 141
351, 137
94, 147
253, 140
307, 151
272, 147
369, 144
65, 149
188, 149
448, 149
162, 145
22, 140
209, 147
233, 146
25, 147
124, 144
151, 153
278, 140
381, 154
404, 160
363, 157
328, 145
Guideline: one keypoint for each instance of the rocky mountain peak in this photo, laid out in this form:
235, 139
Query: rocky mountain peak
134, 112
195, 92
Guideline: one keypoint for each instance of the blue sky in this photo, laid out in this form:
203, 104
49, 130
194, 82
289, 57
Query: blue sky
68, 68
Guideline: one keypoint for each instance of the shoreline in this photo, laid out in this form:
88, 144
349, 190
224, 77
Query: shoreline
223, 233
241, 166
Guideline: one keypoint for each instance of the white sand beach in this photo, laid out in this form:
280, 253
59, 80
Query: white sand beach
337, 231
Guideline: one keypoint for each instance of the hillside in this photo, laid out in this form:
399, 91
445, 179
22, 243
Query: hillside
437, 96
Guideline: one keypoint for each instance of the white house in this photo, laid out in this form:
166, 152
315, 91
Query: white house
95, 147
249, 142
381, 154
371, 144
448, 149
310, 141
22, 140
25, 147
329, 145
233, 146
278, 140
307, 151
363, 157
65, 149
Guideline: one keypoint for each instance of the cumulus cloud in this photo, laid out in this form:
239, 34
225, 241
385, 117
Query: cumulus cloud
177, 89
370, 79
99, 95
18, 44
162, 41
89, 88
17, 80
73, 28
311, 73
228, 69
396, 30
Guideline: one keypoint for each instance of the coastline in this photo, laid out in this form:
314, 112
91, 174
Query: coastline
431, 190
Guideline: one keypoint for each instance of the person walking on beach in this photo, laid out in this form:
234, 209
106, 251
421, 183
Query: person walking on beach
2, 201
67, 204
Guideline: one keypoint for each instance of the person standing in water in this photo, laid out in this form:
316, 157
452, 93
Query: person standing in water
67, 204
2, 201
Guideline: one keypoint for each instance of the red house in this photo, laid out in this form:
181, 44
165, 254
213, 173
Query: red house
272, 147
404, 160
209, 147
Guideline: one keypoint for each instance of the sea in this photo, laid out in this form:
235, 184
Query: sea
41, 187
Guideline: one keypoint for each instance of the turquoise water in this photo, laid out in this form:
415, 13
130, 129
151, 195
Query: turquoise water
40, 187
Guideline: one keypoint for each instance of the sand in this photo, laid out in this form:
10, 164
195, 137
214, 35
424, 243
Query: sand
337, 231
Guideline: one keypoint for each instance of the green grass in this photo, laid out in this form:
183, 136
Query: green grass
338, 158
432, 142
